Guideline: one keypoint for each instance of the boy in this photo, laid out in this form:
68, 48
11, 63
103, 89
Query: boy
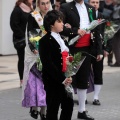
51, 47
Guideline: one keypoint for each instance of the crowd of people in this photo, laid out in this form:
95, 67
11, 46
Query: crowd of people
41, 32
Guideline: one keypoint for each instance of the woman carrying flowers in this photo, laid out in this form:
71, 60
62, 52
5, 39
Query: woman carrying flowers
34, 95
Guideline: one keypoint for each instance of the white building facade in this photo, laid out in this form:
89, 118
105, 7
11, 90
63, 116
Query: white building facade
6, 44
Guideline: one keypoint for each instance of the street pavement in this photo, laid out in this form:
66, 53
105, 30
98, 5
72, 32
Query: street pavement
10, 94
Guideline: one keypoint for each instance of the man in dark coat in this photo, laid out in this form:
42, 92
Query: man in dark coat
106, 8
79, 15
98, 65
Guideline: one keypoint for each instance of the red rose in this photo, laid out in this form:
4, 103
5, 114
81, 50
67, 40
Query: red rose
70, 58
108, 23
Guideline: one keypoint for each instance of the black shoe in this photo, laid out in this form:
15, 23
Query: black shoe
96, 102
33, 113
115, 65
86, 102
84, 116
42, 116
110, 63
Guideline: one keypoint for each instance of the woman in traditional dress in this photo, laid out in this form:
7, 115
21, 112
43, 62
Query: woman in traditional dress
34, 95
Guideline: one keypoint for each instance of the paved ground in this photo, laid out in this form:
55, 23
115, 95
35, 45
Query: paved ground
10, 94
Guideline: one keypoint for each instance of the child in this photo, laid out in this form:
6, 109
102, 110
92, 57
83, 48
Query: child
51, 47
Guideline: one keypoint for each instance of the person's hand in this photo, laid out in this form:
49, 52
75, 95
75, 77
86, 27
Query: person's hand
99, 57
35, 52
81, 32
67, 25
67, 81
106, 53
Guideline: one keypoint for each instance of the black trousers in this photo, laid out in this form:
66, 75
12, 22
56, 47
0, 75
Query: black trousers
110, 58
55, 98
80, 80
98, 71
116, 47
21, 54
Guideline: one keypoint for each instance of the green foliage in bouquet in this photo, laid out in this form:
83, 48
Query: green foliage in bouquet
73, 64
39, 64
34, 39
76, 58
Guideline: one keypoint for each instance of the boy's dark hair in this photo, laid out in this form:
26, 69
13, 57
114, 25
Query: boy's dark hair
50, 19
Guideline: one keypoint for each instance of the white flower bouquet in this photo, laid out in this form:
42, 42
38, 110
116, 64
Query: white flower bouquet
110, 29
92, 25
34, 38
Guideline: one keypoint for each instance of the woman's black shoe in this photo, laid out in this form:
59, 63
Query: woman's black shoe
96, 102
42, 116
33, 113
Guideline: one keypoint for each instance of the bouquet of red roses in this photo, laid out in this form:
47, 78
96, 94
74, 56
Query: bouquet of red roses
111, 29
71, 65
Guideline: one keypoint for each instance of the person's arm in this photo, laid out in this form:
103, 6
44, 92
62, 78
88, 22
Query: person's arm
71, 32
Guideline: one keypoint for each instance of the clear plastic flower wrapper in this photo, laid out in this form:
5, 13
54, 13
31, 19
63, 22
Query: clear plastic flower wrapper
111, 29
92, 25
73, 65
34, 37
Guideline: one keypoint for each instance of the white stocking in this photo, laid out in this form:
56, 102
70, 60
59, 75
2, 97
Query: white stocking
97, 89
81, 99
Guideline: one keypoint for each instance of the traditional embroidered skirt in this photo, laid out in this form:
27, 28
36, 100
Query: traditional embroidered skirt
34, 93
